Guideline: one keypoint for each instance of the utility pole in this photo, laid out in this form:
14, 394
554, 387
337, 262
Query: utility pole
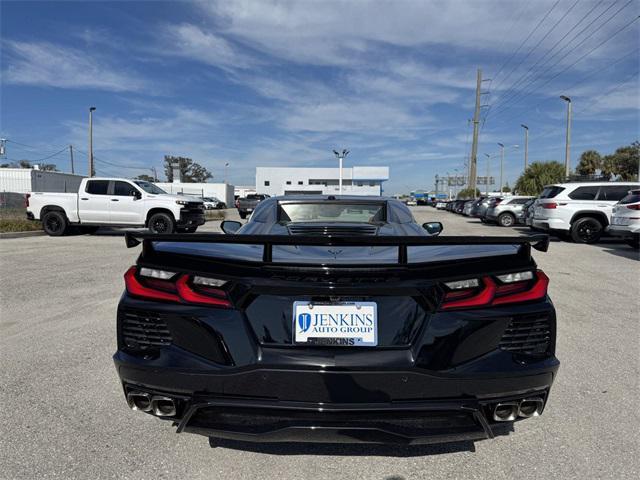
437, 182
91, 167
526, 145
155, 174
474, 146
567, 156
71, 156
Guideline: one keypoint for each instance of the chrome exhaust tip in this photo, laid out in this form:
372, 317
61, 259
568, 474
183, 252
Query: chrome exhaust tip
139, 401
506, 411
531, 407
163, 406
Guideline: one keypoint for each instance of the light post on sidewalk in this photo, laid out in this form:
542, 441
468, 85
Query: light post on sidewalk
340, 156
526, 145
91, 166
567, 155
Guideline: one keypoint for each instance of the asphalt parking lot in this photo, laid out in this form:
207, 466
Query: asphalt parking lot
63, 414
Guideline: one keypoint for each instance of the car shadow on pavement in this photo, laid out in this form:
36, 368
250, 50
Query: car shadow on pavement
341, 449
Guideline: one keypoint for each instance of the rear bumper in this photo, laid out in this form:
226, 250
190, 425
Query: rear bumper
550, 224
405, 406
624, 230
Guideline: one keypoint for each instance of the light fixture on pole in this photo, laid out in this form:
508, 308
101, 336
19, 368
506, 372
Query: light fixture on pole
567, 154
526, 145
91, 167
340, 156
225, 171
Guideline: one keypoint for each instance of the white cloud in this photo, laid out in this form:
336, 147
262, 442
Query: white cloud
46, 64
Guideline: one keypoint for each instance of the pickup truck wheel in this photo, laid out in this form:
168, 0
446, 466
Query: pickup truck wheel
54, 223
506, 220
243, 215
586, 230
161, 223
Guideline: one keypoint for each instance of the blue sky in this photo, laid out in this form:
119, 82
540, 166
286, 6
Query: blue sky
283, 83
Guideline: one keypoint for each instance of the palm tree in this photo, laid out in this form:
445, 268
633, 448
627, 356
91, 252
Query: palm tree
590, 161
537, 175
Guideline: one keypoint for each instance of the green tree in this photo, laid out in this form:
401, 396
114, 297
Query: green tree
190, 171
468, 193
146, 178
537, 175
590, 161
506, 188
624, 161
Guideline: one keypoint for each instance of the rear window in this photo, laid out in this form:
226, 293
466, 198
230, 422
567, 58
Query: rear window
633, 197
332, 212
584, 193
614, 192
97, 187
550, 192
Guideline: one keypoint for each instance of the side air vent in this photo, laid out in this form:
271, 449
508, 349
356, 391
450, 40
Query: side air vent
144, 331
336, 230
527, 334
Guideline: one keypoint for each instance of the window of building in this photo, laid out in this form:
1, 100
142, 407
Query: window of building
97, 187
267, 183
288, 182
300, 182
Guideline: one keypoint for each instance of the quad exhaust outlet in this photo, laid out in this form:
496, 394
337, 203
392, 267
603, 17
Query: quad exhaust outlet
155, 404
509, 411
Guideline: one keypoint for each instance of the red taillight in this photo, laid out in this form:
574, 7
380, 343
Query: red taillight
214, 296
26, 200
497, 202
634, 207
537, 291
137, 289
179, 292
482, 297
549, 205
492, 293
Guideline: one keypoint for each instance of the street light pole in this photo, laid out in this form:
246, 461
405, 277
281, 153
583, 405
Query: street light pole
340, 156
91, 167
567, 155
225, 171
526, 145
488, 171
501, 163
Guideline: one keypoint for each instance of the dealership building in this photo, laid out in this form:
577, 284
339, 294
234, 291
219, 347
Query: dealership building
299, 181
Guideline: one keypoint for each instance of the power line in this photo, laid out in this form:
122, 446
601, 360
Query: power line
526, 75
523, 94
525, 40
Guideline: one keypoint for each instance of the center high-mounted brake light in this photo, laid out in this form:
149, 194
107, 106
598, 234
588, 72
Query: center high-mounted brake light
153, 284
500, 290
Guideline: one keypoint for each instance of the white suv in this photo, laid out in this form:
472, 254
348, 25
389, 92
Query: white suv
581, 210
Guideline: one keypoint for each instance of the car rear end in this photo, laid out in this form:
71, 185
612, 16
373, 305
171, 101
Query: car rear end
548, 212
403, 343
625, 219
491, 213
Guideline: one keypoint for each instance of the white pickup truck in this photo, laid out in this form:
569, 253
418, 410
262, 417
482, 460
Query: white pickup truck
115, 202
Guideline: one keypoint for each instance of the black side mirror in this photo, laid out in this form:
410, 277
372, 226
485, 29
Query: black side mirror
230, 226
136, 194
433, 228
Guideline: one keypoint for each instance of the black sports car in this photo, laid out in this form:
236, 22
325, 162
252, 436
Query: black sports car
336, 319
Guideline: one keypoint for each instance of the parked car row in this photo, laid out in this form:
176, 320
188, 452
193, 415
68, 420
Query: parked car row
579, 212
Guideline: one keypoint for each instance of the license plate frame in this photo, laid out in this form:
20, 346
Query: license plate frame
341, 324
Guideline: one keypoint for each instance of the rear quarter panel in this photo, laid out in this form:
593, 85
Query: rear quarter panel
66, 201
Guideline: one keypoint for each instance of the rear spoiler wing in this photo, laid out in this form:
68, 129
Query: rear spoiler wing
539, 242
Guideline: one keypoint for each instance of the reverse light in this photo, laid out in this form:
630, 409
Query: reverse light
460, 284
154, 273
515, 277
209, 282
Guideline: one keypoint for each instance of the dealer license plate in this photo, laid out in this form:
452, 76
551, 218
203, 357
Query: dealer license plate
351, 324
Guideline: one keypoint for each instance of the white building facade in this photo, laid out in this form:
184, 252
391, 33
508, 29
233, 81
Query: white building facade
222, 191
325, 181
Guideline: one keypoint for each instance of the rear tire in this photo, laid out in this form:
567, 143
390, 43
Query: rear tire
506, 220
222, 206
243, 215
161, 223
586, 230
54, 223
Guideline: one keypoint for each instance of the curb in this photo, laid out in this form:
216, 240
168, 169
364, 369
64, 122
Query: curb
33, 233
